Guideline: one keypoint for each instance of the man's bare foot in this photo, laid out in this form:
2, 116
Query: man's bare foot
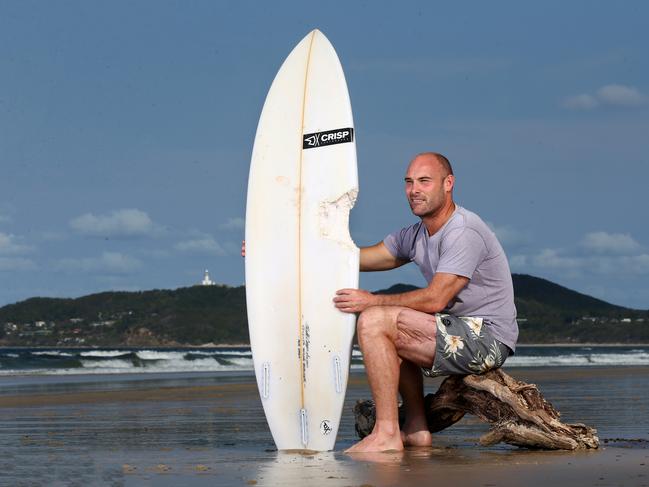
417, 438
376, 443
383, 457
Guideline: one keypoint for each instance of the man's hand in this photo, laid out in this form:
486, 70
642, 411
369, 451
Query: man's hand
354, 300
243, 248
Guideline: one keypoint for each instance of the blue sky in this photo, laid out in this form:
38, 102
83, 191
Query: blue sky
126, 130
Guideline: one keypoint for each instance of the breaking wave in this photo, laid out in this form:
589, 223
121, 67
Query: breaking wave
19, 361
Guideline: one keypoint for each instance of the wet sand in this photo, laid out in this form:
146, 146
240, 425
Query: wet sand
209, 429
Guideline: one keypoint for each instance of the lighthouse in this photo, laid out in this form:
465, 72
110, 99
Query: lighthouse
206, 279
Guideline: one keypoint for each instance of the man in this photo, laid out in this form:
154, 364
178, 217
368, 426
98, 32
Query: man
402, 334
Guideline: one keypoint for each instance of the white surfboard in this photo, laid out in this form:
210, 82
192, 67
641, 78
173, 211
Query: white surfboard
303, 182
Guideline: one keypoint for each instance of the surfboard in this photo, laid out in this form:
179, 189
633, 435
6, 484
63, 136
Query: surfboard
302, 185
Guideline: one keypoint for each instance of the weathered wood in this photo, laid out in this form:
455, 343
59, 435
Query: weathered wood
518, 413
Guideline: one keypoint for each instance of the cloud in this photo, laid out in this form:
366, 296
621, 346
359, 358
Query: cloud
563, 264
509, 236
598, 253
612, 95
157, 253
518, 263
553, 259
206, 245
581, 102
9, 244
119, 223
233, 224
621, 95
610, 243
50, 236
108, 262
17, 264
624, 264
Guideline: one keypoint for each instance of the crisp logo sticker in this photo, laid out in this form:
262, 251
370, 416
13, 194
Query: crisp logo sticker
330, 137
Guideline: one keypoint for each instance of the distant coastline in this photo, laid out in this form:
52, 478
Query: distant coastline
215, 316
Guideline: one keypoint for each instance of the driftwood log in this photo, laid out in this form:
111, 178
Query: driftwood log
518, 413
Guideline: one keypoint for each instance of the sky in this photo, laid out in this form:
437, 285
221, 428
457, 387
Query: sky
126, 129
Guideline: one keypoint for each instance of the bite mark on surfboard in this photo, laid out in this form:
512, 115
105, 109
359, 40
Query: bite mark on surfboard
333, 218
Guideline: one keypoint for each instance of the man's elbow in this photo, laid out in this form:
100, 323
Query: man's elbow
435, 309
433, 305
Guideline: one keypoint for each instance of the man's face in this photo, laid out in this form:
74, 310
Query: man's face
427, 187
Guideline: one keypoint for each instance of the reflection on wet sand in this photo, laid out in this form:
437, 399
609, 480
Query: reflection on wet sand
211, 430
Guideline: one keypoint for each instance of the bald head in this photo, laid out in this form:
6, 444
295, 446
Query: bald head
434, 158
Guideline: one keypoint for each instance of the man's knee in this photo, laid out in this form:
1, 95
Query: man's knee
372, 321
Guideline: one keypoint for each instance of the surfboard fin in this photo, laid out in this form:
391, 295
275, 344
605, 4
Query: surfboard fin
338, 374
265, 381
304, 423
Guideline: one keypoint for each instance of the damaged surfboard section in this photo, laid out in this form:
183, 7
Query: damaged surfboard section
333, 218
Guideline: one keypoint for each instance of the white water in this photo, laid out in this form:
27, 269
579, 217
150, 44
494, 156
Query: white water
114, 361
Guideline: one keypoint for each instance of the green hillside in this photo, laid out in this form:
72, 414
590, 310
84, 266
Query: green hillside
547, 312
194, 315
550, 313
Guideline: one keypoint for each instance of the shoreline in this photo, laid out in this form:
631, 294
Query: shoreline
126, 347
247, 345
586, 344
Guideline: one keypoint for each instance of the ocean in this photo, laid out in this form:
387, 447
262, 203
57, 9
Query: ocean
114, 360
168, 417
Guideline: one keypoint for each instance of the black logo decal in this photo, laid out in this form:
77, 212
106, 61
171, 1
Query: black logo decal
325, 427
330, 137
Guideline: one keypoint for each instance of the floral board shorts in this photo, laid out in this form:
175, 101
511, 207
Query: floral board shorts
465, 346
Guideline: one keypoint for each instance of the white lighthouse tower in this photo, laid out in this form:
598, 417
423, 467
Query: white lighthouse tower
206, 279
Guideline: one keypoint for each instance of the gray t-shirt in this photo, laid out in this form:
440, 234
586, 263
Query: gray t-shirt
467, 247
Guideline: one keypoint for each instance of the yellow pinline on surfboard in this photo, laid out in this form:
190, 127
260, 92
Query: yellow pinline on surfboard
301, 347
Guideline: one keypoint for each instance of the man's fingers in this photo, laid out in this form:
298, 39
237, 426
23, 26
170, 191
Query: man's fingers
343, 305
347, 300
343, 295
346, 309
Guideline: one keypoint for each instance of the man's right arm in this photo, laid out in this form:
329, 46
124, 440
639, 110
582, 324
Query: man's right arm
378, 258
373, 258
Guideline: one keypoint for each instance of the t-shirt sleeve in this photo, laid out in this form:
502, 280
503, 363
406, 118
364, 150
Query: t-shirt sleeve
461, 252
399, 243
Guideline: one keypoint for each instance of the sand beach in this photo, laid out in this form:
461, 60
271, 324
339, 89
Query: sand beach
200, 429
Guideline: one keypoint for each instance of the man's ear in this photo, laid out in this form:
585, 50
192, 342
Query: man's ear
449, 182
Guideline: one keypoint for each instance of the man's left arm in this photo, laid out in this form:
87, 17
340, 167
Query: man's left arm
440, 292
